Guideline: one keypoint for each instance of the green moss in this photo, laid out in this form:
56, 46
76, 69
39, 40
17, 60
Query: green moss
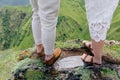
113, 50
34, 75
76, 43
85, 73
7, 62
106, 72
24, 64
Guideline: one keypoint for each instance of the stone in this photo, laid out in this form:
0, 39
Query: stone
35, 67
68, 63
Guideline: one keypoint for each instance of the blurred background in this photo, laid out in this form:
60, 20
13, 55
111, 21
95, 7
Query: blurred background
15, 23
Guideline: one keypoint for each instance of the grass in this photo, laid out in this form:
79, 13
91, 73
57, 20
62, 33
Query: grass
7, 62
106, 72
113, 50
68, 44
34, 75
85, 73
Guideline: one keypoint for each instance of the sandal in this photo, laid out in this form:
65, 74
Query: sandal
87, 44
56, 55
88, 62
83, 57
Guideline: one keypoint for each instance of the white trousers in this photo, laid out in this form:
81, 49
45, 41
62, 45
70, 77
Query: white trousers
99, 15
44, 20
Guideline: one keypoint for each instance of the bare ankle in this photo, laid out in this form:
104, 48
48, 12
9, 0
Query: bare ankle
97, 60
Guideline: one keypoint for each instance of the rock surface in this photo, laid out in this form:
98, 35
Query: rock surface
68, 63
68, 67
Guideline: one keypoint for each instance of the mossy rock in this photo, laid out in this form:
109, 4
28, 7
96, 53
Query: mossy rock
35, 75
111, 53
29, 69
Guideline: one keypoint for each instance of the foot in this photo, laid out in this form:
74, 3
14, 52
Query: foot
83, 57
40, 50
50, 59
90, 59
87, 58
97, 61
88, 45
91, 62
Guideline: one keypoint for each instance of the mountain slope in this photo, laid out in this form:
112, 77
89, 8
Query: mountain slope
72, 24
15, 25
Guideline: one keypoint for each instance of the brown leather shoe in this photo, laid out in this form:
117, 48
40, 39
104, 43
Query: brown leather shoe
56, 55
41, 51
38, 54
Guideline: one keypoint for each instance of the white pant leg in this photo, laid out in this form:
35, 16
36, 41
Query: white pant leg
99, 14
48, 12
36, 26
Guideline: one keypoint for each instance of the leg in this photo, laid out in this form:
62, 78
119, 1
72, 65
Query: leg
97, 47
48, 12
99, 23
36, 26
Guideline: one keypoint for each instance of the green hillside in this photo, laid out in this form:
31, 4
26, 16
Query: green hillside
15, 24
